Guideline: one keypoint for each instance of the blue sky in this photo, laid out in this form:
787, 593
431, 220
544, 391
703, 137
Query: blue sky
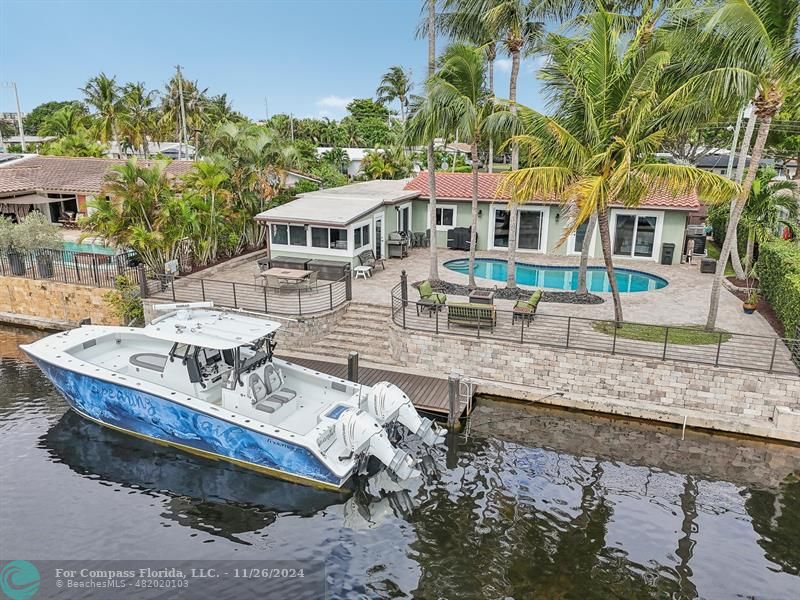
308, 57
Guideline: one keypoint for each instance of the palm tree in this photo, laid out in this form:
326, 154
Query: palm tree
338, 158
457, 100
614, 106
430, 137
68, 120
210, 179
103, 94
396, 84
512, 23
762, 214
757, 38
138, 115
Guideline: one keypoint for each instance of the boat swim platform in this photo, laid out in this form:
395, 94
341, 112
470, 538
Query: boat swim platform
429, 394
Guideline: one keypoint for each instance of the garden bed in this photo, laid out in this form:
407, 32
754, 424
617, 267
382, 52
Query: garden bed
457, 289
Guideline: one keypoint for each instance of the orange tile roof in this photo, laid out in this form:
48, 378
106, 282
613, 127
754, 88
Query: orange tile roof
65, 174
458, 186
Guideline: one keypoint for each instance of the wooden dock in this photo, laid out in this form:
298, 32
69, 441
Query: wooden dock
429, 394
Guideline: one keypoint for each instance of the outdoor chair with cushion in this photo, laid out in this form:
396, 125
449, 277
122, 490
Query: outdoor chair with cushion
263, 264
311, 280
367, 259
525, 310
471, 315
428, 299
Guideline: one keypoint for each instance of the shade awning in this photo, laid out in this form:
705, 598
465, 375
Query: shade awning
29, 199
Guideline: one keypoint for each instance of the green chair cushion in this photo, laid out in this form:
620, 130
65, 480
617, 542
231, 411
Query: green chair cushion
533, 301
425, 289
438, 297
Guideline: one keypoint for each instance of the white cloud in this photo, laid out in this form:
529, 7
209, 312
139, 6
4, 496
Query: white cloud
503, 64
334, 102
537, 63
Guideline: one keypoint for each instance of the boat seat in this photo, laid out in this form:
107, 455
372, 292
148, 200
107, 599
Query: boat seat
274, 382
267, 406
149, 360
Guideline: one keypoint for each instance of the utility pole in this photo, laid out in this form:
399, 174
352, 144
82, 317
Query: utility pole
266, 107
291, 125
185, 139
19, 118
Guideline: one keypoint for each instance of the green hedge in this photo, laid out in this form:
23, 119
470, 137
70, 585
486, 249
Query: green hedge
779, 274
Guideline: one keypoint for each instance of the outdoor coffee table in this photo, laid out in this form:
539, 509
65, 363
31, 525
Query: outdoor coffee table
481, 297
524, 313
363, 271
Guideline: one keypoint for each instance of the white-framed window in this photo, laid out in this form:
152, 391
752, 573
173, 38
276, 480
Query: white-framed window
361, 236
578, 238
445, 217
280, 235
329, 237
404, 217
298, 235
636, 233
531, 228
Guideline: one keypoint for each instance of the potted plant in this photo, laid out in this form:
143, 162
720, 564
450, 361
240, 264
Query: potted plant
36, 234
16, 259
751, 302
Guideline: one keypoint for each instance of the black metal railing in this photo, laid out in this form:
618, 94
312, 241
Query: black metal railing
66, 266
723, 349
316, 298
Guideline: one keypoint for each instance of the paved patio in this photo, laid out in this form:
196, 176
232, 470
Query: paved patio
683, 302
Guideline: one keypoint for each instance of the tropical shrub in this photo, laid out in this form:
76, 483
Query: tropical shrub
125, 300
778, 270
35, 231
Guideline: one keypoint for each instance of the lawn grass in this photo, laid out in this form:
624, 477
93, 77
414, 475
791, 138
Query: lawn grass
713, 252
686, 335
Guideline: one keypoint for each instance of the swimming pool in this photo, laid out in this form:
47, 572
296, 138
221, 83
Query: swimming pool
560, 278
88, 248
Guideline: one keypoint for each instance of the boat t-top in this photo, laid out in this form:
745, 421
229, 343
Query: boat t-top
205, 380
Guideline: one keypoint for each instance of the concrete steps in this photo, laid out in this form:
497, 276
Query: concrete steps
363, 329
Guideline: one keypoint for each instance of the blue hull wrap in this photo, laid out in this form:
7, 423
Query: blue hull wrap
147, 415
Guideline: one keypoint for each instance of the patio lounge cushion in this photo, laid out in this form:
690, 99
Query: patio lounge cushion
531, 302
426, 293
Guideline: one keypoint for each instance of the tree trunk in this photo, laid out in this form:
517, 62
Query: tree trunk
511, 275
748, 258
491, 55
473, 237
605, 242
733, 221
587, 243
736, 261
512, 96
433, 274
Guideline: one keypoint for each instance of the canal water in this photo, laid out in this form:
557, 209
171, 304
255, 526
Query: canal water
527, 503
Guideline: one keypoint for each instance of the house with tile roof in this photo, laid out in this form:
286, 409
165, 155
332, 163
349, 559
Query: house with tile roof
636, 233
57, 185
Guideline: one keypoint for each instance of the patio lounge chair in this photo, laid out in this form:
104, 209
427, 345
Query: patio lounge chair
525, 310
367, 259
471, 315
428, 299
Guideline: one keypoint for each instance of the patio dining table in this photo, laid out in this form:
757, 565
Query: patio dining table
286, 275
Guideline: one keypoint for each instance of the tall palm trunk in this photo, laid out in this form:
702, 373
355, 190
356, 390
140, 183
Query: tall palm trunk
733, 221
433, 274
584, 265
605, 242
473, 237
491, 54
511, 280
736, 261
748, 257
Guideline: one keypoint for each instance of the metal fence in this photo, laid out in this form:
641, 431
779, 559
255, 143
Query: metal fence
324, 296
83, 268
725, 349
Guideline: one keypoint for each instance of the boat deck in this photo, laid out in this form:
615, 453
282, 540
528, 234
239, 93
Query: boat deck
429, 394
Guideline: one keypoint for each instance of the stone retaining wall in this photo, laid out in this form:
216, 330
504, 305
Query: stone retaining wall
667, 387
55, 301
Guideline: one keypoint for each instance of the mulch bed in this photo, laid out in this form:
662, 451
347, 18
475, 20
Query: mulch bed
763, 307
456, 289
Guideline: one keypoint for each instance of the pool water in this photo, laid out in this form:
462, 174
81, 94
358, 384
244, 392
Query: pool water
89, 248
560, 278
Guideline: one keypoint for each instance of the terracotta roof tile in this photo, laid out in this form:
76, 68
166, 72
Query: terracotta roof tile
63, 174
458, 186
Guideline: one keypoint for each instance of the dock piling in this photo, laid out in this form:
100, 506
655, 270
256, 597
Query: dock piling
453, 401
352, 367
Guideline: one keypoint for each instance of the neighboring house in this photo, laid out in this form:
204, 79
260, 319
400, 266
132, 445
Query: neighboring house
354, 156
30, 140
346, 216
56, 185
168, 149
339, 223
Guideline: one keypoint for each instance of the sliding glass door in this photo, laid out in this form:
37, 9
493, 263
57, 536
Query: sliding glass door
529, 229
635, 235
